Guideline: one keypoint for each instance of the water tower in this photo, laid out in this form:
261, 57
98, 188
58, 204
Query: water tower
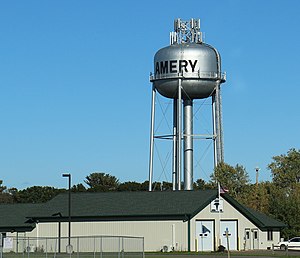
188, 69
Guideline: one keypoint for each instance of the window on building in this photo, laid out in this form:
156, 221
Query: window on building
247, 235
270, 235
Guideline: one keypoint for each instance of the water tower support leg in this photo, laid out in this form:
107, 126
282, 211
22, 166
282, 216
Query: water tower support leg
179, 134
188, 144
221, 125
214, 128
218, 124
152, 138
174, 165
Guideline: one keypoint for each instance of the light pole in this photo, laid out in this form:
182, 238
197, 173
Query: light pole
59, 229
257, 170
69, 248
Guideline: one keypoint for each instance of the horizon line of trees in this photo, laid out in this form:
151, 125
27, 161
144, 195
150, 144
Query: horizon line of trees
279, 198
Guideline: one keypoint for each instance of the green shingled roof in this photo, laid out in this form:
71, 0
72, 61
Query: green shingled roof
261, 220
13, 217
177, 205
144, 205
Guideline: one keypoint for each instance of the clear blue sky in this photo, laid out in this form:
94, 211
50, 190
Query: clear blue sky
75, 93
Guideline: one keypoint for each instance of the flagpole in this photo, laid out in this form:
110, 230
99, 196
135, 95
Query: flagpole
219, 190
219, 197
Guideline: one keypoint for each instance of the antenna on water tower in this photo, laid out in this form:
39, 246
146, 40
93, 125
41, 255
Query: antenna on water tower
188, 69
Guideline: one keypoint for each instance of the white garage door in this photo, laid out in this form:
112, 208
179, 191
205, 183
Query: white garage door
205, 235
229, 227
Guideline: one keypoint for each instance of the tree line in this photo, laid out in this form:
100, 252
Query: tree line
279, 198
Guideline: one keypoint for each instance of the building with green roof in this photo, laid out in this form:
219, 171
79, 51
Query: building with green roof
180, 220
13, 217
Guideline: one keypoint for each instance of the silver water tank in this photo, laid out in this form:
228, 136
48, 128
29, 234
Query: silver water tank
198, 64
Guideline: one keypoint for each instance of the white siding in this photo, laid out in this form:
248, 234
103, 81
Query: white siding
156, 233
230, 213
173, 234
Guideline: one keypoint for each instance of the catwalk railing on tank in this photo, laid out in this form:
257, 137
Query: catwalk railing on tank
189, 75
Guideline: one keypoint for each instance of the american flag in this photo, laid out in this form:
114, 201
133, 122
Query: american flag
222, 189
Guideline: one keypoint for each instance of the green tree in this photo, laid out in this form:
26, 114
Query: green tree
78, 188
36, 194
145, 186
285, 191
167, 186
101, 182
286, 208
285, 169
257, 196
200, 184
129, 186
156, 186
5, 195
2, 187
233, 178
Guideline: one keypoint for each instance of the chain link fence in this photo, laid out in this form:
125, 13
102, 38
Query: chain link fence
83, 247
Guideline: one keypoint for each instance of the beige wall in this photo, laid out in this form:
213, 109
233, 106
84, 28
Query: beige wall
160, 233
230, 213
156, 233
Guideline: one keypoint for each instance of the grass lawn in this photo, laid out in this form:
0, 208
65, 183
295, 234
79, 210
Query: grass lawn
249, 254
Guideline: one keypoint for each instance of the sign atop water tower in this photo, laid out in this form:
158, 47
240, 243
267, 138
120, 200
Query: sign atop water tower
186, 70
